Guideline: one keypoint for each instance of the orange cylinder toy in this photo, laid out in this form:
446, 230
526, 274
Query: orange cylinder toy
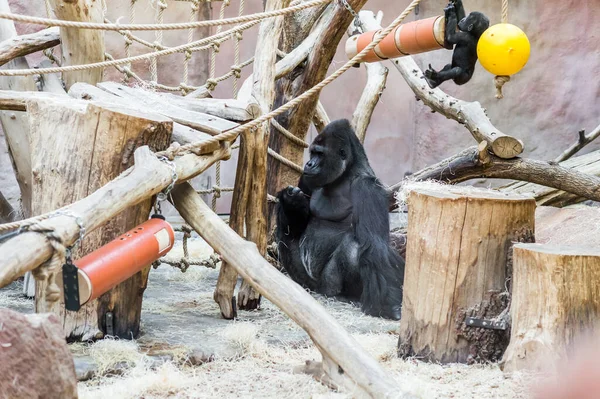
411, 38
120, 259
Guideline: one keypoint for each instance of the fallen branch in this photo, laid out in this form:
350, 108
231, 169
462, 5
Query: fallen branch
582, 142
146, 178
469, 114
345, 361
23, 45
468, 165
376, 79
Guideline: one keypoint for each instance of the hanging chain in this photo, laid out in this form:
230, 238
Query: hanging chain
357, 22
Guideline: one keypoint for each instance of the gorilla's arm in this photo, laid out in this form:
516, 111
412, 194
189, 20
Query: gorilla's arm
381, 268
293, 212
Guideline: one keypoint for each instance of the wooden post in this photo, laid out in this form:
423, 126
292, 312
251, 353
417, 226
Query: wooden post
81, 46
555, 299
456, 267
78, 147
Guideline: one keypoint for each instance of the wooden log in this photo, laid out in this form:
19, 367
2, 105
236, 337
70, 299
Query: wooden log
96, 143
263, 91
50, 82
555, 300
22, 45
205, 123
468, 164
567, 226
470, 114
582, 141
320, 118
230, 109
7, 212
181, 134
376, 79
324, 35
458, 246
15, 124
81, 46
346, 362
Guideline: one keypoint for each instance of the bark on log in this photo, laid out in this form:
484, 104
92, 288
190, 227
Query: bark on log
81, 46
15, 124
181, 134
36, 361
20, 46
469, 114
468, 165
95, 144
324, 38
456, 267
205, 123
376, 79
581, 142
346, 363
555, 298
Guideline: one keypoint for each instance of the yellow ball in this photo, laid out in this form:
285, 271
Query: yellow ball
503, 49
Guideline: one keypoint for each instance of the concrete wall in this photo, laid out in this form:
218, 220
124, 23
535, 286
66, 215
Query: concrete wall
553, 97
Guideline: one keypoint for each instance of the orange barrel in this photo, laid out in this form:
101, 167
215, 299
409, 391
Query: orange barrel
411, 38
115, 262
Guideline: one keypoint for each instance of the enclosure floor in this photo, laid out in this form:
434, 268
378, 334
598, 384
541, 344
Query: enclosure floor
251, 357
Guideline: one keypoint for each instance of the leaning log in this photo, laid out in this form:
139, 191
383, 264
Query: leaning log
470, 114
81, 46
555, 301
345, 361
456, 267
233, 110
96, 143
20, 46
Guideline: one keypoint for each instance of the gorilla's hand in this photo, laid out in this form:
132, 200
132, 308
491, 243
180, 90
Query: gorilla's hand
292, 198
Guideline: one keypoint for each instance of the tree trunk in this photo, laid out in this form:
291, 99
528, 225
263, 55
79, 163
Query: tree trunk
555, 298
456, 267
329, 30
78, 147
81, 46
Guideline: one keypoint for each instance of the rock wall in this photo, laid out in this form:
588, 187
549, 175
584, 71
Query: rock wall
553, 97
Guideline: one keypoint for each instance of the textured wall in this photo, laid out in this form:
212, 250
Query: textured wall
553, 97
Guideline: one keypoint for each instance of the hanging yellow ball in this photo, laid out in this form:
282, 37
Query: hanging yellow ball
503, 49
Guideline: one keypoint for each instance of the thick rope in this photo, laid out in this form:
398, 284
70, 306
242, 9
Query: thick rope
285, 161
287, 134
176, 26
190, 38
172, 50
501, 80
161, 7
232, 134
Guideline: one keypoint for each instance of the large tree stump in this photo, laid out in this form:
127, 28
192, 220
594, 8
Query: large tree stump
78, 147
555, 300
456, 267
35, 361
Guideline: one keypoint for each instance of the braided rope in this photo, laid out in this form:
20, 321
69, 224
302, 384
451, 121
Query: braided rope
287, 134
285, 161
232, 134
195, 7
504, 11
501, 80
175, 26
161, 7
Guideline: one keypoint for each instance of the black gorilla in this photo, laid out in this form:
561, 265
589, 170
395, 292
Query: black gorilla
333, 230
465, 40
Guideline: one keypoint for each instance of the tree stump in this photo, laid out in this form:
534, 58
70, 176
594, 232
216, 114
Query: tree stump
555, 299
78, 147
457, 264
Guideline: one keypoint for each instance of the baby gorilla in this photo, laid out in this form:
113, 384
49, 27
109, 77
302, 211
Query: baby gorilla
465, 40
333, 230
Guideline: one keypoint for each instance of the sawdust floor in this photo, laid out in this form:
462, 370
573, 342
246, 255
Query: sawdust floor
251, 357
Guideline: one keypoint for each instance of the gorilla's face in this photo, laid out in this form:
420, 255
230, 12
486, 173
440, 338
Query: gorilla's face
330, 156
475, 22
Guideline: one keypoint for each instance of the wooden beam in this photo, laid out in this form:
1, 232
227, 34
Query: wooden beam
205, 123
81, 46
470, 114
346, 363
146, 178
320, 118
20, 46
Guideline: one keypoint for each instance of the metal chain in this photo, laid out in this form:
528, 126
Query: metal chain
357, 22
